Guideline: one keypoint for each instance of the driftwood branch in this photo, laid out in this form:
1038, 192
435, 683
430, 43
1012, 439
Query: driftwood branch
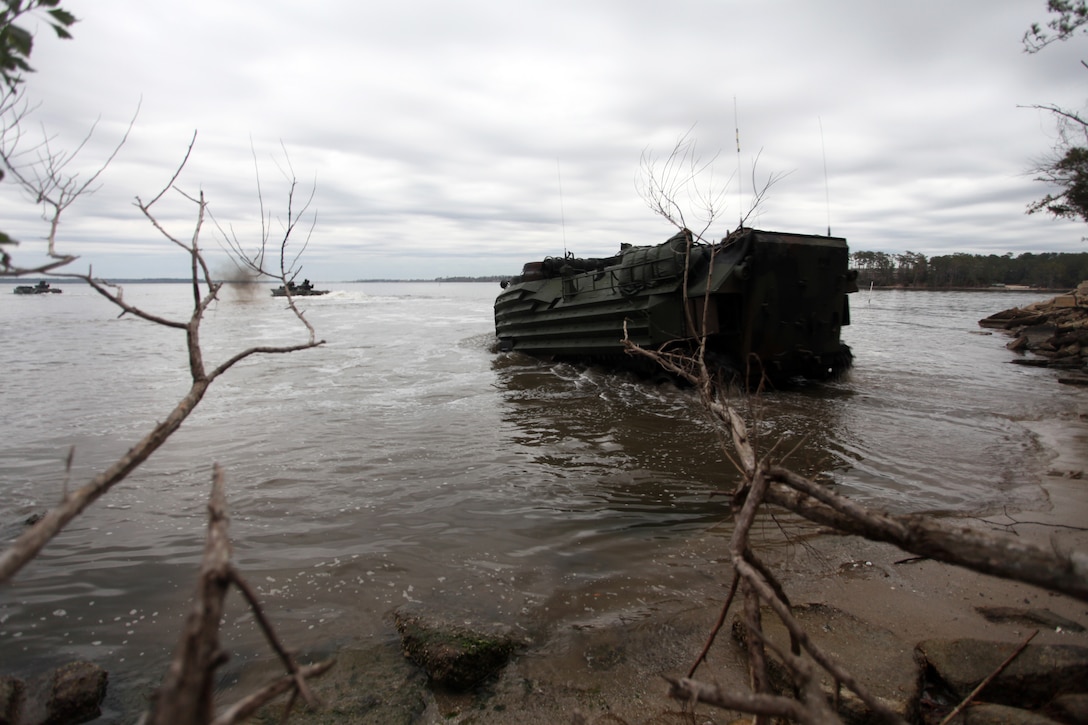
999, 555
186, 696
762, 484
689, 690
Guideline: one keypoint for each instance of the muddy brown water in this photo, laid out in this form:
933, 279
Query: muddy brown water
407, 461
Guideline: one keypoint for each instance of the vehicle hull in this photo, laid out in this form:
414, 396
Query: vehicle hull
766, 303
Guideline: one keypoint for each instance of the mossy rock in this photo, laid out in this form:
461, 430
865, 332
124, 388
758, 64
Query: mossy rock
455, 657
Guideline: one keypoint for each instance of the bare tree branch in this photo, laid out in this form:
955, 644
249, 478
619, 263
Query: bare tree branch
664, 185
27, 546
34, 539
187, 693
46, 179
1062, 112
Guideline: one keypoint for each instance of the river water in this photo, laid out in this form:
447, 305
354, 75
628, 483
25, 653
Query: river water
406, 461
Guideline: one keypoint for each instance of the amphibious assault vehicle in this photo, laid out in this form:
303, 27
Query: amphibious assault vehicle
769, 304
42, 288
298, 290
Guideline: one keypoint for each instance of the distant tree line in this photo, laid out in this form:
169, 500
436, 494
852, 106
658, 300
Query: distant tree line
1052, 270
490, 278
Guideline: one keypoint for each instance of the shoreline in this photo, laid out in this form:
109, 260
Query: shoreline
876, 583
905, 601
607, 665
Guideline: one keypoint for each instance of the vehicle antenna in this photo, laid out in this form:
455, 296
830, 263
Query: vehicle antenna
562, 212
740, 203
827, 188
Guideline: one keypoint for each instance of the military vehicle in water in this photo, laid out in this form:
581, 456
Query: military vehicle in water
42, 288
299, 290
769, 304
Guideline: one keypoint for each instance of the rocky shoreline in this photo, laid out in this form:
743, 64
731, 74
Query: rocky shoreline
1055, 331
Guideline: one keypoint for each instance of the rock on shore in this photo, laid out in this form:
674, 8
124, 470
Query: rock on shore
453, 655
1056, 331
1036, 677
69, 694
1042, 683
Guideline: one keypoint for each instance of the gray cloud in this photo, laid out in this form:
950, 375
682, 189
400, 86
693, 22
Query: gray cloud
437, 133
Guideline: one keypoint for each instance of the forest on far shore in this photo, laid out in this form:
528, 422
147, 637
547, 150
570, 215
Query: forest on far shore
1049, 270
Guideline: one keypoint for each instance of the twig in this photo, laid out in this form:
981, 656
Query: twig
982, 685
247, 706
717, 626
273, 640
772, 705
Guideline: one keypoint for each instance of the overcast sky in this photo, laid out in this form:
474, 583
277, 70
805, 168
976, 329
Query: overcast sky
448, 138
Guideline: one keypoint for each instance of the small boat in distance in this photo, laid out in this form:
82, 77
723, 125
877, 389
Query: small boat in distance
299, 290
42, 288
768, 303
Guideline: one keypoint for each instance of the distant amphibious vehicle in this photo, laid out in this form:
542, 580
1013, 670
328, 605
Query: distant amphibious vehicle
42, 288
770, 304
299, 290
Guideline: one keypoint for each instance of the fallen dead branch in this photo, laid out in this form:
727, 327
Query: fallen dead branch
1003, 556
